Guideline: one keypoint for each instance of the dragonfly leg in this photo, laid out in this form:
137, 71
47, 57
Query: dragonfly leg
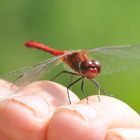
82, 89
98, 86
71, 78
70, 85
62, 72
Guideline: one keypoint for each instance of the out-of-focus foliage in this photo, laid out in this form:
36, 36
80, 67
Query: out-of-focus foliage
72, 24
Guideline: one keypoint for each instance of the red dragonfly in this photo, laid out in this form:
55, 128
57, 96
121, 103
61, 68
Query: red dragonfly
105, 60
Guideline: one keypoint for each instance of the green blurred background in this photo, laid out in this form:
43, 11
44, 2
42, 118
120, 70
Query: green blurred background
72, 24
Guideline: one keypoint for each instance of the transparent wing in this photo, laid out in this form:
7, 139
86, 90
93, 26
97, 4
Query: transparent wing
116, 58
29, 74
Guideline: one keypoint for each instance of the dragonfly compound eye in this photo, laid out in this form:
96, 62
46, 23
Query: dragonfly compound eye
97, 65
90, 68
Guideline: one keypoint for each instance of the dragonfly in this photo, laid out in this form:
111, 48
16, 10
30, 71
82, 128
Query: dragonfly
86, 64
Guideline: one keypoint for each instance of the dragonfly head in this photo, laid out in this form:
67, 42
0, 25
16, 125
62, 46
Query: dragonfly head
90, 68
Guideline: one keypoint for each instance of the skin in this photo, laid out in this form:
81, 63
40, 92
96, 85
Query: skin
41, 112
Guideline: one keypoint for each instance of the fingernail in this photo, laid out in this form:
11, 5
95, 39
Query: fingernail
33, 103
123, 134
82, 111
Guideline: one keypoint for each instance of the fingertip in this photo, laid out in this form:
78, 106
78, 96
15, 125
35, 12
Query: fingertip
74, 123
54, 93
19, 120
68, 121
118, 113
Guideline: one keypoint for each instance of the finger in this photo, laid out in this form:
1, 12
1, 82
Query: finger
117, 112
55, 94
91, 121
123, 134
28, 114
24, 117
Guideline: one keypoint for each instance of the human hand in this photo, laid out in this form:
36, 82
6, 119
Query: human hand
42, 112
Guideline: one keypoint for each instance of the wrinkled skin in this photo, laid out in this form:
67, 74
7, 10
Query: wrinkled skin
42, 112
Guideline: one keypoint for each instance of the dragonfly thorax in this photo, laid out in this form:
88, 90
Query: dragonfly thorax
90, 68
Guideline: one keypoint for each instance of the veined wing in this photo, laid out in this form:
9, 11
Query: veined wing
116, 58
32, 73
